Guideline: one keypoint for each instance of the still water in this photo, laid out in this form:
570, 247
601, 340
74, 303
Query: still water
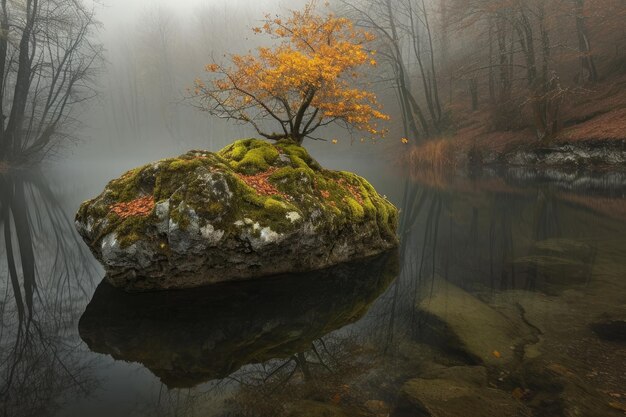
506, 297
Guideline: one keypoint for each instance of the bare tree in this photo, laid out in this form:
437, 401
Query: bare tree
406, 37
588, 71
47, 64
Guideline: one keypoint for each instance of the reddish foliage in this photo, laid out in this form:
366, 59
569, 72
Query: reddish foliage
139, 207
608, 126
4, 167
260, 183
354, 190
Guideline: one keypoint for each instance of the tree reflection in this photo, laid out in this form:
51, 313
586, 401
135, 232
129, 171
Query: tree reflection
485, 237
45, 273
323, 372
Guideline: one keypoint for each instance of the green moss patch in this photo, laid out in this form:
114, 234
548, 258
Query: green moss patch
203, 188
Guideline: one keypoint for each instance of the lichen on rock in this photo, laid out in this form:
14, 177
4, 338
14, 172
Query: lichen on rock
252, 209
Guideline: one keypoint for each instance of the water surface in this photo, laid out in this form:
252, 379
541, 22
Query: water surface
508, 288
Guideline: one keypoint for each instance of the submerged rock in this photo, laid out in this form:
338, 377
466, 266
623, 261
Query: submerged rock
609, 328
249, 210
554, 263
191, 336
456, 392
466, 325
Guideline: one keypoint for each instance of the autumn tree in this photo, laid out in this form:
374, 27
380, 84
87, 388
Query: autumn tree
307, 81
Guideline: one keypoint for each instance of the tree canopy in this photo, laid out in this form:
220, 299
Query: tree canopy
308, 80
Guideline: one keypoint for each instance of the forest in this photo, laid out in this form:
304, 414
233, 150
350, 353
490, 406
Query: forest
466, 77
297, 208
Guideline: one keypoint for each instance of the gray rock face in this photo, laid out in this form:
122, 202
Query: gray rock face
570, 154
250, 210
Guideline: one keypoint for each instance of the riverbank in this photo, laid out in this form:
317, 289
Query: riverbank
593, 137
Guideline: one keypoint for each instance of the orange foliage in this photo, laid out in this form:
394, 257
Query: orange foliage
139, 207
356, 193
303, 83
260, 183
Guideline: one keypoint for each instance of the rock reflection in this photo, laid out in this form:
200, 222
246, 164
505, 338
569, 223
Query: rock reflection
188, 337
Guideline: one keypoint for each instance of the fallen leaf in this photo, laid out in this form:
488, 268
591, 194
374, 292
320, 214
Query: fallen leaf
261, 184
139, 207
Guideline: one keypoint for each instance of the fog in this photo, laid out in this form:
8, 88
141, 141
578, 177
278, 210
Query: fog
504, 154
154, 50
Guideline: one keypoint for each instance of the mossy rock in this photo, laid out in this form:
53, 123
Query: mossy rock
250, 210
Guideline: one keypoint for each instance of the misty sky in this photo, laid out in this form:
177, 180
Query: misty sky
115, 12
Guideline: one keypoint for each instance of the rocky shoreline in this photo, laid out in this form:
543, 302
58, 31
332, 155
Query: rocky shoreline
593, 154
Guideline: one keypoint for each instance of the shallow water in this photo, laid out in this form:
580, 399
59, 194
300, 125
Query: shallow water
506, 297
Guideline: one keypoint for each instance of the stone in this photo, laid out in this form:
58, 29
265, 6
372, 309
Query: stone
444, 397
609, 328
558, 263
250, 210
462, 322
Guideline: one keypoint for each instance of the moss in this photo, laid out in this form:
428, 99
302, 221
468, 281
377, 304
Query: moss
332, 195
250, 156
211, 211
131, 230
185, 164
299, 157
274, 206
238, 151
293, 181
356, 210
180, 215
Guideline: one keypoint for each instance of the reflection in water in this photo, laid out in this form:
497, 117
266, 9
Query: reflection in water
505, 240
44, 270
188, 337
347, 341
521, 253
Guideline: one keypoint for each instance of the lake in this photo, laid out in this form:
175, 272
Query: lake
505, 297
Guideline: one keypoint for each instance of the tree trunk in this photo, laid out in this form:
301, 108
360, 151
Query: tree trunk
22, 83
588, 71
473, 90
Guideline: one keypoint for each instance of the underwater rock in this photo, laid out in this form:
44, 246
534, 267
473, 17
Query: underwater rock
467, 326
554, 263
187, 337
457, 392
250, 210
610, 328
